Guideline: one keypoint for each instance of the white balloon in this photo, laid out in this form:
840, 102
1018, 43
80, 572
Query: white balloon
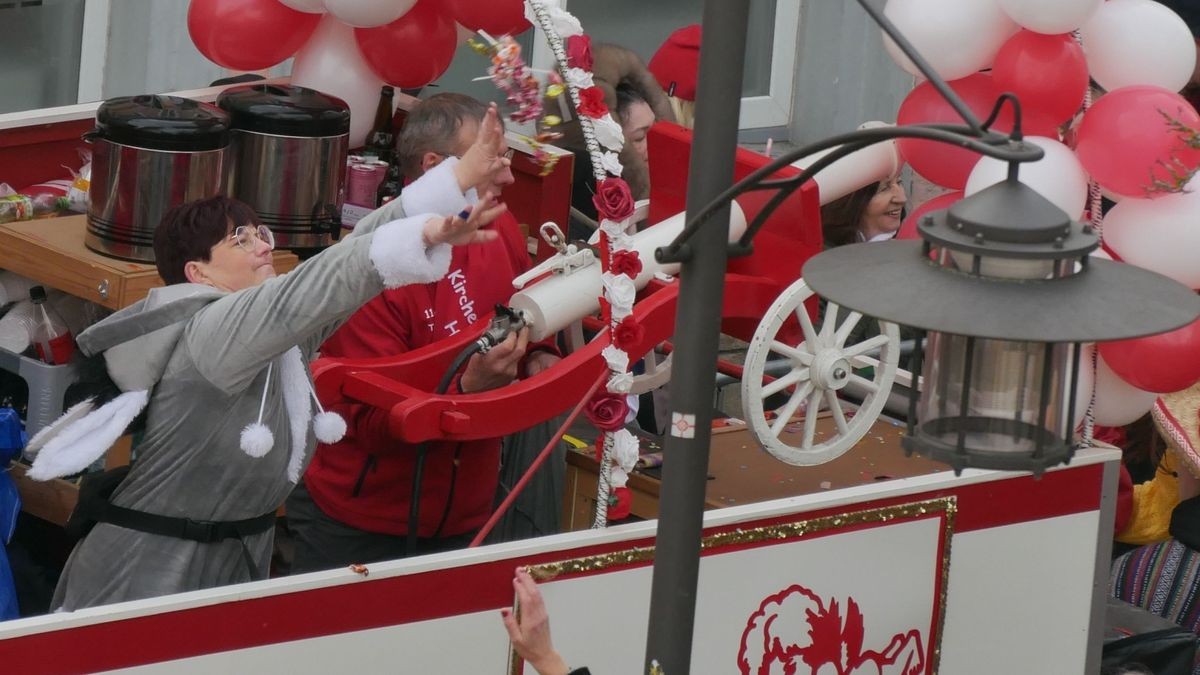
368, 13
308, 6
1160, 234
1051, 17
956, 37
331, 63
1138, 42
1058, 176
1117, 402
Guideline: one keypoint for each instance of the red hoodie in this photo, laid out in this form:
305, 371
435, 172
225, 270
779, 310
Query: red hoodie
365, 480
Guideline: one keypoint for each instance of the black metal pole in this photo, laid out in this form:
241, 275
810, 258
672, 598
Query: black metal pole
697, 330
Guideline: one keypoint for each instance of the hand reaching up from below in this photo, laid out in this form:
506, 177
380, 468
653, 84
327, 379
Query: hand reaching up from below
531, 634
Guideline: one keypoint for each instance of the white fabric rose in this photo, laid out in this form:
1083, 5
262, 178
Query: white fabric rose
616, 359
611, 163
564, 24
617, 477
620, 383
624, 449
579, 78
608, 133
620, 291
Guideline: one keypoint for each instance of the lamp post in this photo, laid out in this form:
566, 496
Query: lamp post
1002, 282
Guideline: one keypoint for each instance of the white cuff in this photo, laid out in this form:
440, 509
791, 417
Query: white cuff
399, 254
437, 192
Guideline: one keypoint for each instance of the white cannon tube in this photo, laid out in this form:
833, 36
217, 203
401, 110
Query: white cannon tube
869, 165
560, 300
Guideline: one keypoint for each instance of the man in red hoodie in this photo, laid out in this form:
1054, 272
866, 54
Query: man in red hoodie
353, 504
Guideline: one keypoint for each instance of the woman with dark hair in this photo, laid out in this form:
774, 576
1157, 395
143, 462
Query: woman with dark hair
871, 213
217, 360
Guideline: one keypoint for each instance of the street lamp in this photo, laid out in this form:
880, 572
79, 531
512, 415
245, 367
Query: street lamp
1002, 282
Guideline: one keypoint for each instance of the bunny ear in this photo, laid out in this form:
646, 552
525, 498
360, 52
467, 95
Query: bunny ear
85, 438
74, 413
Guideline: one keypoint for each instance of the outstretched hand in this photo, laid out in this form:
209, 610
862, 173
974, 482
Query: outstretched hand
482, 161
530, 635
456, 231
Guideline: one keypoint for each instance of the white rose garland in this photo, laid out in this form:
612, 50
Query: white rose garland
603, 138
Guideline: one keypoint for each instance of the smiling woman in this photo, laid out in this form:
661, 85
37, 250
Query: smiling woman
871, 213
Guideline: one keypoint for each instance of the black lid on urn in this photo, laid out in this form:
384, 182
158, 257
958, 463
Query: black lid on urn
285, 111
158, 122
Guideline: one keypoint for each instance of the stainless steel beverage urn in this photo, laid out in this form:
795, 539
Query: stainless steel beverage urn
288, 160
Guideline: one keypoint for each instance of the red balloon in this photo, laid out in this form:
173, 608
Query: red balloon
497, 17
411, 51
1048, 73
1160, 363
945, 164
908, 229
233, 33
1130, 144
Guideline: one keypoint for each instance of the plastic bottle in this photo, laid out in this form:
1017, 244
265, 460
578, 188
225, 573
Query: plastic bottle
51, 337
23, 207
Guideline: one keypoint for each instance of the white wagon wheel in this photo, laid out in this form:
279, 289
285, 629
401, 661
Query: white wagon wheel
817, 369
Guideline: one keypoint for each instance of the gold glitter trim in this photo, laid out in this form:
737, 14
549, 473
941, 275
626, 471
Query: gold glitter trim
783, 532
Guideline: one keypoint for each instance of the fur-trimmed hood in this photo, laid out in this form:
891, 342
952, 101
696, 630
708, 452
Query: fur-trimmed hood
138, 340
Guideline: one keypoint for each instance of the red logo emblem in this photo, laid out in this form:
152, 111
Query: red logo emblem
795, 633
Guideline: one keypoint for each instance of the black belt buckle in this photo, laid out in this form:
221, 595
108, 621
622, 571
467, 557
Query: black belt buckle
200, 530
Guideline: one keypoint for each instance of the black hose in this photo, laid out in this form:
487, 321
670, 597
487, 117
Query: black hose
414, 503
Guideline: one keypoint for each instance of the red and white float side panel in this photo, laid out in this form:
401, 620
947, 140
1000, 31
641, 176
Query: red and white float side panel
982, 573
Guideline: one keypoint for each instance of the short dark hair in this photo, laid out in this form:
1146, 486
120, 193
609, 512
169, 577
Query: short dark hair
432, 126
189, 231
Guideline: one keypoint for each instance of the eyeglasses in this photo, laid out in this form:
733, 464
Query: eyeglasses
247, 236
507, 154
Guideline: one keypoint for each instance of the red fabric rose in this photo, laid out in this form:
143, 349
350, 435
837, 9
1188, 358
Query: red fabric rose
613, 199
620, 502
579, 52
626, 262
628, 333
591, 102
607, 411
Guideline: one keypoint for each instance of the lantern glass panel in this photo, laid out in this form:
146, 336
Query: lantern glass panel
997, 267
1003, 407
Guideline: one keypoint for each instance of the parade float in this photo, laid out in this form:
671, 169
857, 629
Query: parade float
992, 559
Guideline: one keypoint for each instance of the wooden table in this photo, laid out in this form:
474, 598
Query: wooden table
51, 252
740, 472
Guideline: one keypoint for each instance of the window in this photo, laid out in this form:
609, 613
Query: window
643, 26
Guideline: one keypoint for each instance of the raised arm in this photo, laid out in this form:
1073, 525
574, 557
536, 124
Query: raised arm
235, 336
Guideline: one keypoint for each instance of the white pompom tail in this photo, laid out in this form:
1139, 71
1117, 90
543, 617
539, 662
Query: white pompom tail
257, 439
329, 427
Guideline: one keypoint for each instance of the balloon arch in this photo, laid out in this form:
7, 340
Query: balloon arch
1138, 143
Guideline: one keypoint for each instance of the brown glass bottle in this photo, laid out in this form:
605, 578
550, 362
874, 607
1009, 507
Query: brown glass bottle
381, 141
390, 188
